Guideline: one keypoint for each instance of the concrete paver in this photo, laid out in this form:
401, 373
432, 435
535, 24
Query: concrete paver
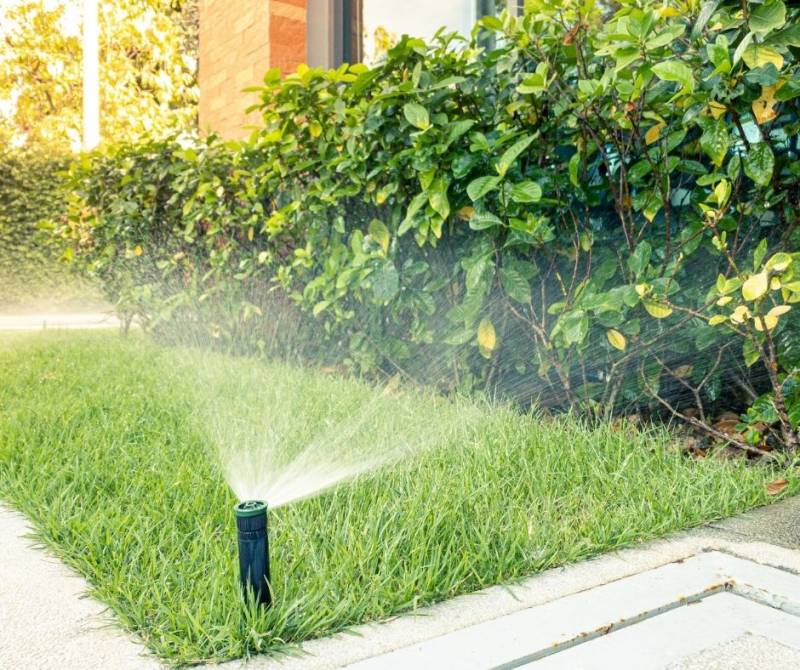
743, 653
46, 620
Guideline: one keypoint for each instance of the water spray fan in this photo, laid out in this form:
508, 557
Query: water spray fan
251, 524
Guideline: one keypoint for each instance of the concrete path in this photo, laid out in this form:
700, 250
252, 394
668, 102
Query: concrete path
722, 596
58, 321
46, 620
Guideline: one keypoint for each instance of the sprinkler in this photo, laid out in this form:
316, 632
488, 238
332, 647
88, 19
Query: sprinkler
251, 523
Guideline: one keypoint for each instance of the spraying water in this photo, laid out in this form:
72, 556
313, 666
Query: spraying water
283, 433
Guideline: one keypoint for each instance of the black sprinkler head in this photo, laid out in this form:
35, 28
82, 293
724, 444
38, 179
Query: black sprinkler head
251, 523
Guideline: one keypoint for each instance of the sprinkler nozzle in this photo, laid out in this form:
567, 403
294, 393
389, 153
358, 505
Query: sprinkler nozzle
251, 523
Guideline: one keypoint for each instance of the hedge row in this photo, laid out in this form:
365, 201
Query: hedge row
601, 211
30, 193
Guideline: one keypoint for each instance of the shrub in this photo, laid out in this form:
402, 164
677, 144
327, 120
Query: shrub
601, 211
168, 229
30, 193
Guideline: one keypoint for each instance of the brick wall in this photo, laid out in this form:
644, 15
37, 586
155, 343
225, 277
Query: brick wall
239, 41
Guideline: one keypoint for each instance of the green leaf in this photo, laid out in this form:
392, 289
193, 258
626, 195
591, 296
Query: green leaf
479, 187
788, 37
458, 128
526, 191
759, 163
385, 282
715, 141
750, 353
416, 115
674, 70
510, 155
744, 44
759, 253
437, 198
666, 36
767, 17
414, 206
640, 257
515, 285
718, 54
703, 17
575, 327
320, 307
483, 220
574, 166
379, 233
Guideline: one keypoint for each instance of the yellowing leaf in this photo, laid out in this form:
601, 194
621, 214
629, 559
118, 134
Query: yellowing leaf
779, 262
656, 309
250, 234
654, 133
756, 286
717, 319
716, 109
642, 289
767, 322
775, 284
466, 213
314, 129
757, 55
616, 339
683, 371
764, 107
667, 12
740, 314
487, 338
780, 310
137, 250
724, 300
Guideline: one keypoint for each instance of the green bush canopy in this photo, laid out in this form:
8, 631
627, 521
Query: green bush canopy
599, 210
29, 195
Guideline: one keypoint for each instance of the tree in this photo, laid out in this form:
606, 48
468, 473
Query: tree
147, 71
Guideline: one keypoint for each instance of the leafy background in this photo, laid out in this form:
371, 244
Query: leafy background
600, 212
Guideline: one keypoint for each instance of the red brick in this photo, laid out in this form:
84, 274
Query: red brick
239, 42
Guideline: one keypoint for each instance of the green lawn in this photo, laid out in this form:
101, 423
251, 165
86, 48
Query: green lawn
110, 447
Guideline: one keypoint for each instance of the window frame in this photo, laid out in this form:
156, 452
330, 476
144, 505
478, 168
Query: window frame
334, 28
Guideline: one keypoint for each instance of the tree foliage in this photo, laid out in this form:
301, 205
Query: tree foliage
147, 78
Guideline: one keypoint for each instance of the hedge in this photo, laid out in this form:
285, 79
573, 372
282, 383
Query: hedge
29, 195
602, 211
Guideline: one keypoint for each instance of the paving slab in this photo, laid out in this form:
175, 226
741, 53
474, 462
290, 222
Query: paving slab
626, 619
744, 653
679, 634
46, 620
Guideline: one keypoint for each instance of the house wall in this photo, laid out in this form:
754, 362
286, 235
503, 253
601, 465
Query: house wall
239, 41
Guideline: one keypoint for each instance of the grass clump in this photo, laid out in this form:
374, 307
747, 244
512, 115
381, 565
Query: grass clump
108, 445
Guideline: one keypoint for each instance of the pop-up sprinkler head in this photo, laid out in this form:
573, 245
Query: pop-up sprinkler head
251, 522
